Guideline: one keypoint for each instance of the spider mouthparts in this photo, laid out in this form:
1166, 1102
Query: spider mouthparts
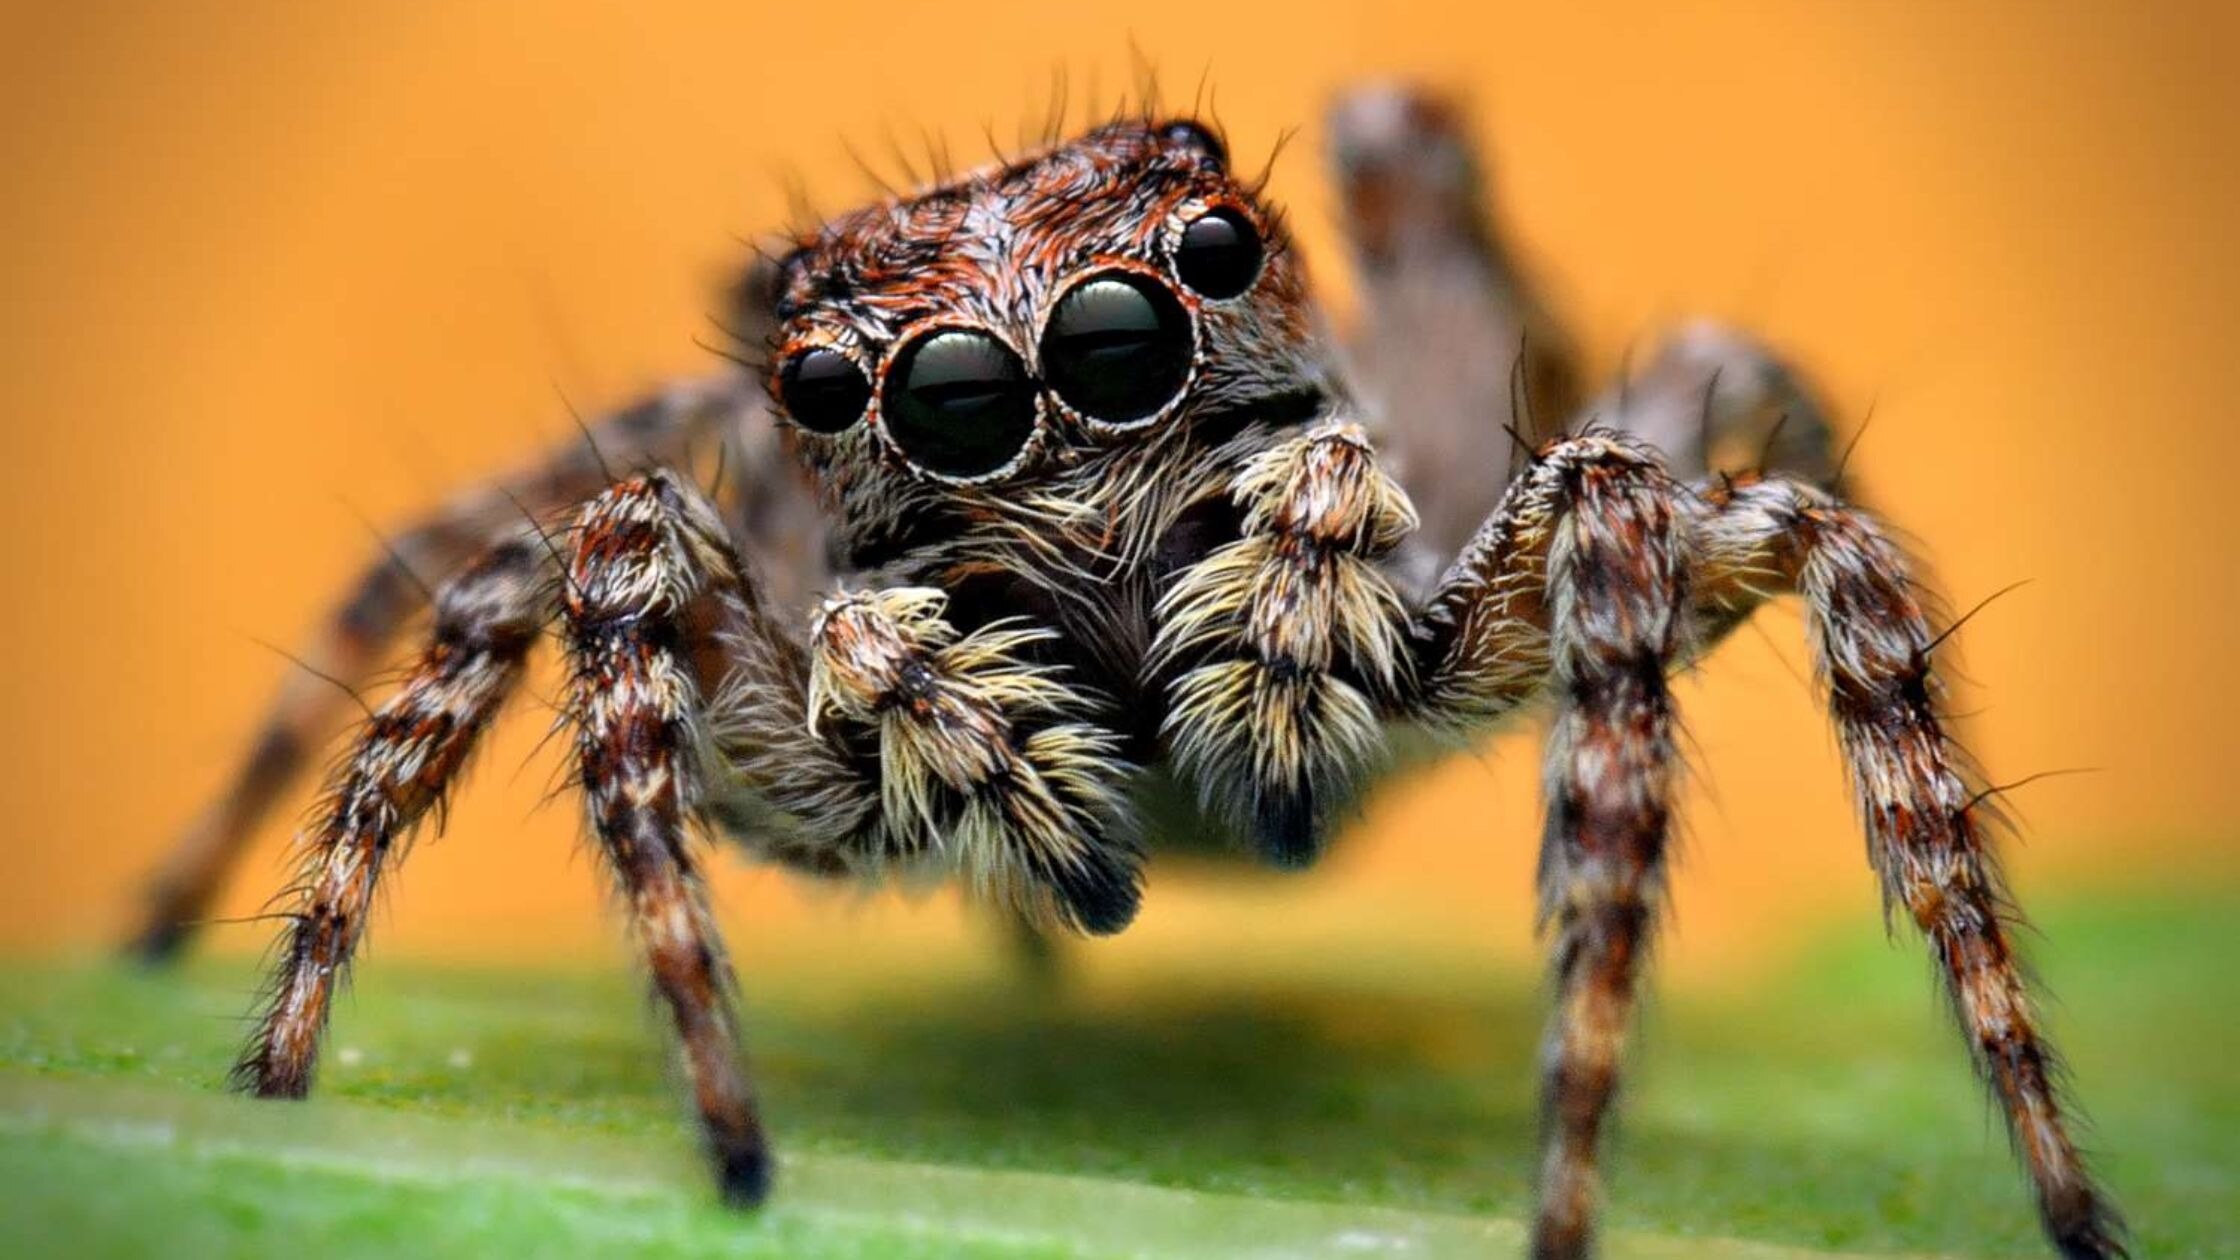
1281, 411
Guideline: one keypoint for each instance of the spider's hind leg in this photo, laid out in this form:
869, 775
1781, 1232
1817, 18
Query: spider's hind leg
1917, 795
403, 761
1455, 340
384, 599
1712, 399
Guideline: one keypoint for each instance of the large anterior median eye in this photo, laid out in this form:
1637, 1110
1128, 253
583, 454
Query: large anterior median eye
1219, 255
959, 403
1117, 348
823, 390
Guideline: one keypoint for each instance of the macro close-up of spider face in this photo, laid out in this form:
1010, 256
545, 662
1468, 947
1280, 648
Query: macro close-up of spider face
1024, 325
1048, 504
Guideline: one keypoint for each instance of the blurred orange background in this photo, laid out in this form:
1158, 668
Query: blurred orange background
268, 268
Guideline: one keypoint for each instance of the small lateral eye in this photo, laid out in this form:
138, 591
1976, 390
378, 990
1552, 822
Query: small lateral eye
1188, 133
823, 390
959, 403
1219, 256
1117, 348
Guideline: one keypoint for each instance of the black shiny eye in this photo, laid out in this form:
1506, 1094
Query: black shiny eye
823, 390
1117, 348
959, 403
1219, 256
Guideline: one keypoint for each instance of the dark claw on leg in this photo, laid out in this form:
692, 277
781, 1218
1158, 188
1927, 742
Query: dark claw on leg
743, 1169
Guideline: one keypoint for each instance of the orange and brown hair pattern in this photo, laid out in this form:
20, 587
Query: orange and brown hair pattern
1108, 509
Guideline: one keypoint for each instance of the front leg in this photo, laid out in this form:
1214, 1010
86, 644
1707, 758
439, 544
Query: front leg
650, 578
889, 738
1284, 648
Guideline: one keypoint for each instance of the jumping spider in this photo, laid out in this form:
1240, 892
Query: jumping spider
1110, 510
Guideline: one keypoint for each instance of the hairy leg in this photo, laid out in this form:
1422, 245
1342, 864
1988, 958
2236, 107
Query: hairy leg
1617, 576
892, 739
1284, 647
650, 583
1493, 632
404, 759
1446, 311
1579, 584
1924, 813
357, 635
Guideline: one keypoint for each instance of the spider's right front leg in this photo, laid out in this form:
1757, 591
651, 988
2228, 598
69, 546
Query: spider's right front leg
891, 736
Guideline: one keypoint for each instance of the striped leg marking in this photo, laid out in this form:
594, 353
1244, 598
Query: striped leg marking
1617, 577
384, 599
405, 758
638, 601
1918, 797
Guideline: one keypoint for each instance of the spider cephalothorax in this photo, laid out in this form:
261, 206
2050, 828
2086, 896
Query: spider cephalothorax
1107, 514
1033, 389
1019, 360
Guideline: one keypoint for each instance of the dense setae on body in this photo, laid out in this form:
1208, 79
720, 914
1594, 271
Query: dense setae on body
1109, 516
1047, 384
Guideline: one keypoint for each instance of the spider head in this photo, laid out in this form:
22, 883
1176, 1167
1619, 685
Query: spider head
1121, 290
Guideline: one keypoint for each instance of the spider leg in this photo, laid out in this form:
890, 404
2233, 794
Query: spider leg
1281, 649
1578, 585
404, 758
357, 635
1453, 342
892, 739
650, 588
1574, 585
1617, 574
1925, 817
